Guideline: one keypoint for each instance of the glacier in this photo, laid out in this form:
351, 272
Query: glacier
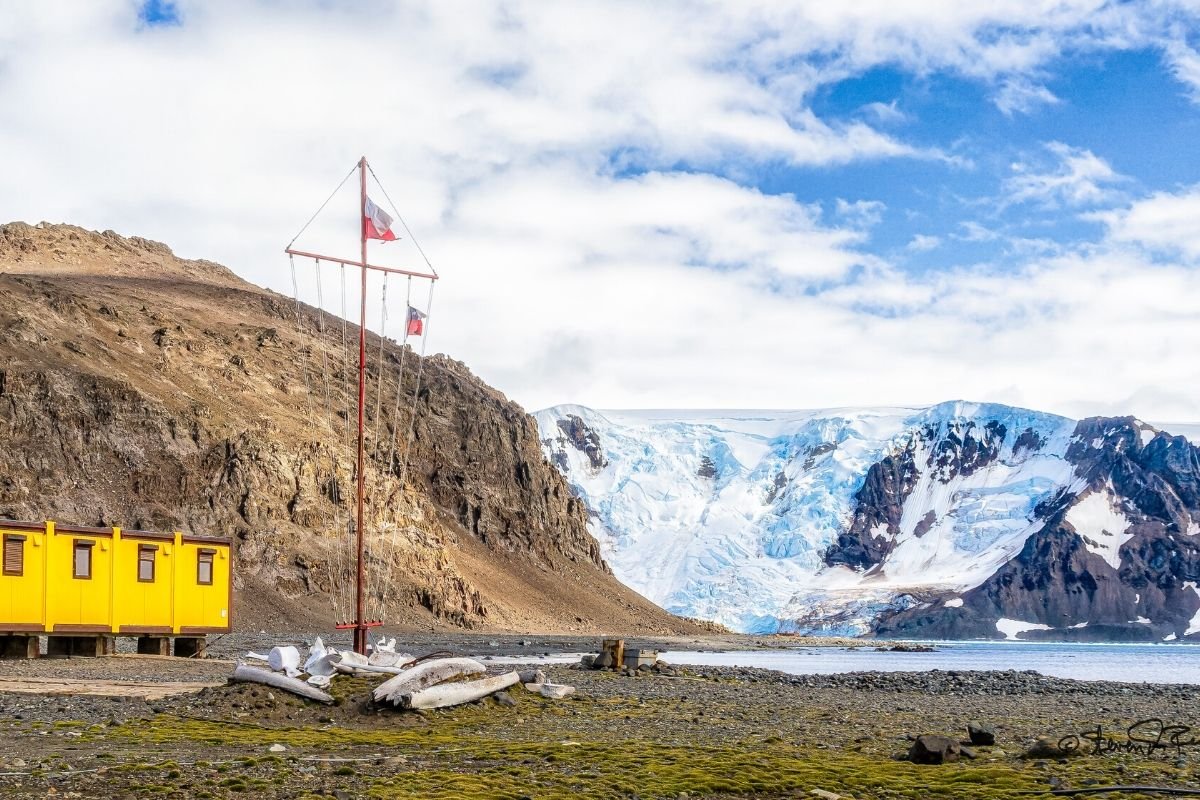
731, 515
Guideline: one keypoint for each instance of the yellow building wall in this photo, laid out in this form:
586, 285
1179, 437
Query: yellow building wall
22, 601
139, 606
47, 597
200, 608
81, 605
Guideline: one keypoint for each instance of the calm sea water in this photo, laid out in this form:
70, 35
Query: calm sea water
1131, 663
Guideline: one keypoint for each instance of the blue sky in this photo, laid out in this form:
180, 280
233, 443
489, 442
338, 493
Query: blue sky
1123, 107
684, 204
159, 13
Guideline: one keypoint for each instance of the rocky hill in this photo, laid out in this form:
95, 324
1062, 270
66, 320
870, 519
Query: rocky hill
960, 520
144, 390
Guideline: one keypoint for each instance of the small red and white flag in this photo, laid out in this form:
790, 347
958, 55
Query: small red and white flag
378, 223
416, 322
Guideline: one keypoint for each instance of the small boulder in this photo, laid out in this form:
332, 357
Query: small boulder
1045, 747
276, 748
981, 735
824, 795
505, 699
603, 660
553, 691
934, 749
532, 676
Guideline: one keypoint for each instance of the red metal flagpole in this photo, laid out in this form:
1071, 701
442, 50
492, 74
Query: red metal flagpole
360, 624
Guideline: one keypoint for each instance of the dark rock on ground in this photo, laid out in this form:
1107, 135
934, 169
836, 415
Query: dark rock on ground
1046, 747
981, 735
934, 749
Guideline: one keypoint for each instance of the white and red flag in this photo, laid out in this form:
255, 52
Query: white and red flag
378, 223
416, 322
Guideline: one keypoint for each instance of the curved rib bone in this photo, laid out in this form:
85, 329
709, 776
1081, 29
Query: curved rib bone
426, 674
454, 694
247, 674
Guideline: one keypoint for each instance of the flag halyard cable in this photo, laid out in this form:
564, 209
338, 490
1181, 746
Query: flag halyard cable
379, 560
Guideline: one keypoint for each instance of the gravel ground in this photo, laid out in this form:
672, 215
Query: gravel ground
710, 732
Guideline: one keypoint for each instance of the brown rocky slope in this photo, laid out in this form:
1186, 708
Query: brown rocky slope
144, 390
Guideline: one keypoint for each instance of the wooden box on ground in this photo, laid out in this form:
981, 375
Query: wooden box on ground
636, 657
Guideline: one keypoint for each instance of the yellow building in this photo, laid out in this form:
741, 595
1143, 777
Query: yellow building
77, 581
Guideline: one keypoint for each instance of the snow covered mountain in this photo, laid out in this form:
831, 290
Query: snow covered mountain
957, 520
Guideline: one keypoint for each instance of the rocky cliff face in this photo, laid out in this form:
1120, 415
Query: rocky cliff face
1117, 554
143, 390
947, 451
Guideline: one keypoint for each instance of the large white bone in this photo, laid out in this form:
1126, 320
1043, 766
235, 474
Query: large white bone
455, 694
245, 674
426, 674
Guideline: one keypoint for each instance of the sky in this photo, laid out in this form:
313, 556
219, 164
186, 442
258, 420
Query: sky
672, 205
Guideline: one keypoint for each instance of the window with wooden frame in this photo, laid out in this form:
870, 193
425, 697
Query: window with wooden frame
204, 567
83, 559
146, 556
14, 554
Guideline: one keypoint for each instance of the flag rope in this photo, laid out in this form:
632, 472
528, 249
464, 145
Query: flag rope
332, 519
395, 427
337, 484
404, 461
322, 208
400, 217
346, 545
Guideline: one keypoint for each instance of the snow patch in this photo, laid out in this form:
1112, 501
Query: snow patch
1170, 637
1077, 626
1011, 628
1194, 625
1101, 526
955, 603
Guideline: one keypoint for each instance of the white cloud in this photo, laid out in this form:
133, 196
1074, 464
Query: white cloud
860, 213
1164, 222
1185, 65
1079, 177
537, 149
923, 243
975, 232
1019, 95
885, 112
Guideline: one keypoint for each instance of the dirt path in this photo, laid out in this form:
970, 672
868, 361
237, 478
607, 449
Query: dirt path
154, 690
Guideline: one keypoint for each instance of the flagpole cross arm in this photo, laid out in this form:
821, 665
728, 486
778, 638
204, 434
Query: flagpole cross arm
352, 263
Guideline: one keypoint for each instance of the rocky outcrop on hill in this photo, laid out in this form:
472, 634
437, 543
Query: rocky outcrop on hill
144, 390
946, 452
575, 433
1117, 555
